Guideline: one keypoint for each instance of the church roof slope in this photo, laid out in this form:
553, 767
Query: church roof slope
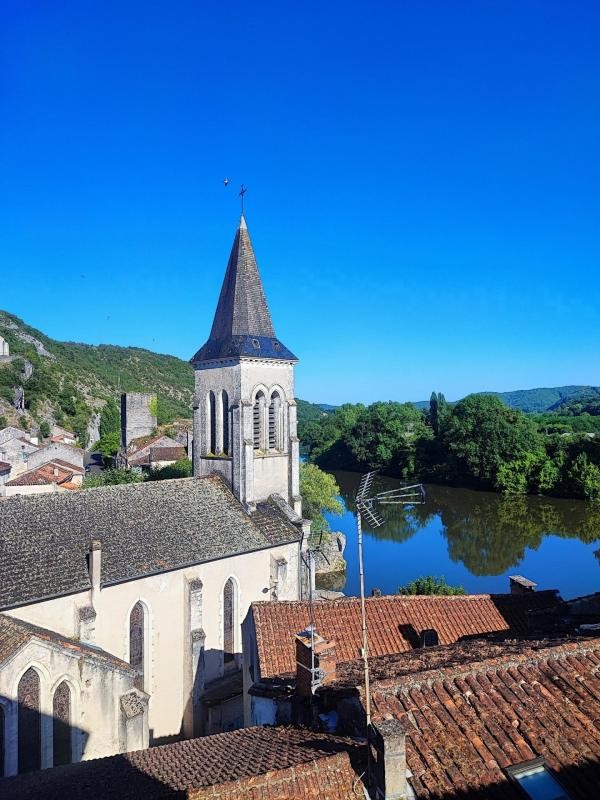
395, 623
145, 528
260, 763
242, 324
14, 633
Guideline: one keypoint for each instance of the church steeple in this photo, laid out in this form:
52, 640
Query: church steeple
245, 423
242, 324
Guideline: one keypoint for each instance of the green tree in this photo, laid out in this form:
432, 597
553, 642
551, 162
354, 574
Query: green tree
109, 445
180, 469
112, 477
44, 429
110, 418
481, 434
319, 492
429, 584
3, 422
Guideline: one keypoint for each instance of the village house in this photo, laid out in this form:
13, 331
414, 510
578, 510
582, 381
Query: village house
56, 475
161, 574
396, 624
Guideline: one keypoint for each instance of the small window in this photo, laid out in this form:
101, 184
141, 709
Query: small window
429, 638
256, 344
536, 780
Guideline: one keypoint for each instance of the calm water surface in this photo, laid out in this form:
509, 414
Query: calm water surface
475, 539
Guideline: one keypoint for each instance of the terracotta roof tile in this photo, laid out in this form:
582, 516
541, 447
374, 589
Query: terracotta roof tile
466, 722
247, 762
395, 623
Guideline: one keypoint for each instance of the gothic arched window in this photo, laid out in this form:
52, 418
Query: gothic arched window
211, 410
29, 722
136, 642
275, 423
2, 739
225, 411
259, 421
229, 621
61, 725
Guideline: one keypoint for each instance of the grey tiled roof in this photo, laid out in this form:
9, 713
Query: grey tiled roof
145, 528
242, 325
14, 633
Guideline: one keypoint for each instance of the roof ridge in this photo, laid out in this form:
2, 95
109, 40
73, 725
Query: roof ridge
491, 663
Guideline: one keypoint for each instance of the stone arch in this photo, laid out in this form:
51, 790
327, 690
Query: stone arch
275, 421
29, 720
259, 420
62, 724
138, 642
225, 422
211, 422
230, 600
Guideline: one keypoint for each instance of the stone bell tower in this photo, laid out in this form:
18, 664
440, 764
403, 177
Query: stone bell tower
244, 406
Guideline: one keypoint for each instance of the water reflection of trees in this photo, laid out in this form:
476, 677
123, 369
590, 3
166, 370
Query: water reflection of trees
488, 533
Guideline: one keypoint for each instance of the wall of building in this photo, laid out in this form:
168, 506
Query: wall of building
72, 455
96, 690
137, 419
169, 676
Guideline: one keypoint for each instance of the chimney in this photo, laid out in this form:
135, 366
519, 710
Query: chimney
95, 563
309, 675
387, 780
521, 585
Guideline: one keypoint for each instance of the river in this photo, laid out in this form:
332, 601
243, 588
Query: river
474, 539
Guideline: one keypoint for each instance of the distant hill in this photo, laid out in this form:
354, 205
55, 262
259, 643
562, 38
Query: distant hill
539, 400
71, 382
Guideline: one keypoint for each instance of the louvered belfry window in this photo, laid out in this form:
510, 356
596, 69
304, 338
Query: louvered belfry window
212, 410
29, 722
258, 413
136, 643
228, 621
61, 725
225, 409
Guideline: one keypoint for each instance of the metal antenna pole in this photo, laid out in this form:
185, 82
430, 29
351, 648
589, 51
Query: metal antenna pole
363, 611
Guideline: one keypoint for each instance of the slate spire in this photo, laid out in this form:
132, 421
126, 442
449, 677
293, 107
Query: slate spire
242, 324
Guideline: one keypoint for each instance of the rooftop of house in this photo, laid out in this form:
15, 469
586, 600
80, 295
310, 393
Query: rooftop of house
467, 719
53, 472
157, 453
45, 538
14, 634
258, 763
242, 325
395, 623
5, 467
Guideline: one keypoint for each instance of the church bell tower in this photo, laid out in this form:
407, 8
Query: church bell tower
244, 406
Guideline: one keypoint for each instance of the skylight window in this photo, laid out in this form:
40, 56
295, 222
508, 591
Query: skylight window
537, 782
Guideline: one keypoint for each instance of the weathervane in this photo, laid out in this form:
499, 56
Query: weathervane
243, 190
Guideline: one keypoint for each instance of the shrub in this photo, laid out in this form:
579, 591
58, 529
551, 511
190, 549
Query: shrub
429, 584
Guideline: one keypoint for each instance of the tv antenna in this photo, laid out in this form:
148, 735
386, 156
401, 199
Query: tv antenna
367, 505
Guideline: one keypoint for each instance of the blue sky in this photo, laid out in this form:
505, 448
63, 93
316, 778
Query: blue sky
423, 182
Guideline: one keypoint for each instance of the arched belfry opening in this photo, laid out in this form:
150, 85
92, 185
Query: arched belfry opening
245, 426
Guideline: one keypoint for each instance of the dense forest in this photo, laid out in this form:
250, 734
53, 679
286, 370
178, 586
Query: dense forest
478, 442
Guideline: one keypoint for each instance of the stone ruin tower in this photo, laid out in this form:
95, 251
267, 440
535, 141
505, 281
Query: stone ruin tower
244, 406
138, 416
4, 348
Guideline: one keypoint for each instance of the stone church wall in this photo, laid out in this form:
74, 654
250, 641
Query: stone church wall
166, 599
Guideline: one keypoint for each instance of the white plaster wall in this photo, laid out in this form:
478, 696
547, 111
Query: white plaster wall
168, 671
270, 475
96, 690
44, 489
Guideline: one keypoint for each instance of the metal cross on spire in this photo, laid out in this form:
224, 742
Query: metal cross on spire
243, 190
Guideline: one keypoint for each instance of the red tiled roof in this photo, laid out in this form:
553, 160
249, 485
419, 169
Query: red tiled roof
395, 623
466, 723
44, 475
329, 778
72, 467
5, 466
223, 764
